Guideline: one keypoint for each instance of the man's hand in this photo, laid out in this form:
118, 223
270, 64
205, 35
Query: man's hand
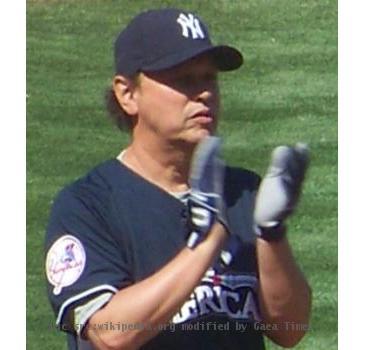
206, 181
279, 191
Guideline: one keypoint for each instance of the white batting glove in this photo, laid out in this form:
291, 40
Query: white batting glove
205, 202
279, 191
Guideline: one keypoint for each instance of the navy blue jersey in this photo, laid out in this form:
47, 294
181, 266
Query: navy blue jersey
113, 228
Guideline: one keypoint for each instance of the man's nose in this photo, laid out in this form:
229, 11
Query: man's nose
205, 92
204, 95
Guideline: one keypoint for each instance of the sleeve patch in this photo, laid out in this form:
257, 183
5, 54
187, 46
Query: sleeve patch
65, 262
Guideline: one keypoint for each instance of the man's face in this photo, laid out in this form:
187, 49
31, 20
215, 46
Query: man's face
180, 104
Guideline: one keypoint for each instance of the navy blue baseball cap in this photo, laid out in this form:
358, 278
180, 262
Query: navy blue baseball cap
160, 39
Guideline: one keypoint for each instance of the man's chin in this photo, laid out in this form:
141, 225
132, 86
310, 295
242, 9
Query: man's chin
191, 140
201, 134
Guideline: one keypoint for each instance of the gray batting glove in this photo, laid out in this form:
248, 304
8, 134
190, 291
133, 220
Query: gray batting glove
280, 189
206, 180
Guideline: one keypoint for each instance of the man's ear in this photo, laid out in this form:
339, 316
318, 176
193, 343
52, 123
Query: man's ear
124, 90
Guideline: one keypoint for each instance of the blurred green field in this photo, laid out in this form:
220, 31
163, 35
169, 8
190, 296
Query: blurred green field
286, 92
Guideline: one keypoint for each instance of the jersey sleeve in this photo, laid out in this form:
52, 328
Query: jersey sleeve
84, 262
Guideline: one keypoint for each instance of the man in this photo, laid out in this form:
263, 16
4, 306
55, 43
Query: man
167, 248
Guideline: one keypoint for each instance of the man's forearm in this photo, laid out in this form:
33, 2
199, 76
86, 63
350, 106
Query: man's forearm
155, 300
285, 296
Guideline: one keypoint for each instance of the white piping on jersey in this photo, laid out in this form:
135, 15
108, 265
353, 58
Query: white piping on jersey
182, 196
83, 312
121, 155
84, 294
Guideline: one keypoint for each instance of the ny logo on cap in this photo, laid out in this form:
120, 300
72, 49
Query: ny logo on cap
190, 26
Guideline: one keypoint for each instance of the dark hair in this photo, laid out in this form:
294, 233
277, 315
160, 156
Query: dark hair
116, 113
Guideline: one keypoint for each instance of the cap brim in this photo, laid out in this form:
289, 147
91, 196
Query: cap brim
226, 58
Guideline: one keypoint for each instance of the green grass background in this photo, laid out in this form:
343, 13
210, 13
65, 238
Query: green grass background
286, 92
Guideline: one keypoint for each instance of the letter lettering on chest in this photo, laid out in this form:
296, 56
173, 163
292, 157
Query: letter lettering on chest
230, 296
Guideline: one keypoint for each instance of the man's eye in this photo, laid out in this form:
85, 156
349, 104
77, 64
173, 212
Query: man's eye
188, 80
185, 80
210, 77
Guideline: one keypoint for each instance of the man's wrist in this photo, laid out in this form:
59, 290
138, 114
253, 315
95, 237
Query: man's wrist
272, 233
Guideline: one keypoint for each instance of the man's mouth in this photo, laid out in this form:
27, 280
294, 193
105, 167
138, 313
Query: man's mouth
203, 116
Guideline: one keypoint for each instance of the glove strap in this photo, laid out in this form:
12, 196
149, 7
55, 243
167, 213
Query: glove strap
203, 214
273, 233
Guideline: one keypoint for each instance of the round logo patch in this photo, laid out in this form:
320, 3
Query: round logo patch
65, 262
